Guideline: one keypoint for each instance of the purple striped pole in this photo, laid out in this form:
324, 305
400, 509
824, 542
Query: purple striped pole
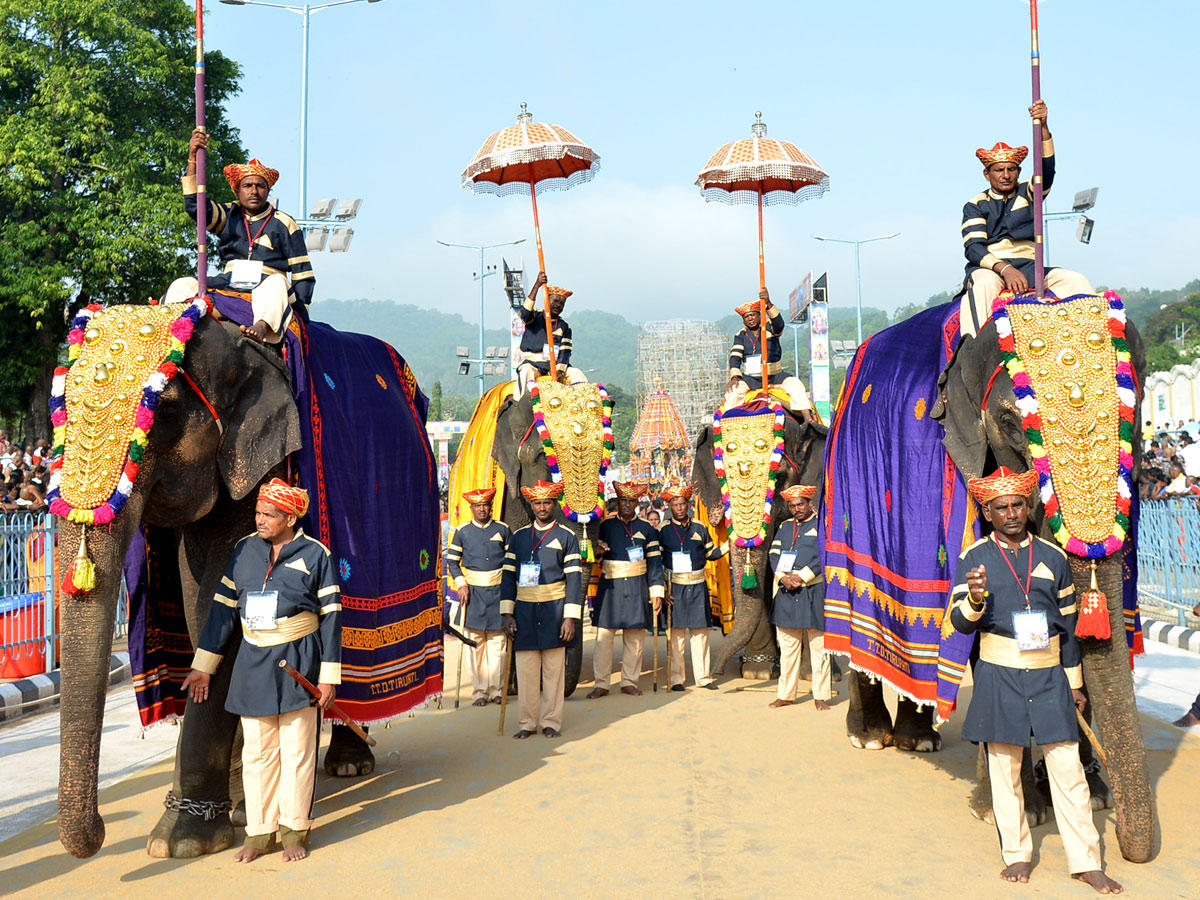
201, 160
1039, 251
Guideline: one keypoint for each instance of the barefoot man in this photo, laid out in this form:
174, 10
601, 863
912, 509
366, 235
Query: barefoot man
1016, 590
283, 587
798, 612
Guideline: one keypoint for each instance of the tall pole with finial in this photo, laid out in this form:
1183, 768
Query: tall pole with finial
759, 130
1039, 252
201, 160
525, 118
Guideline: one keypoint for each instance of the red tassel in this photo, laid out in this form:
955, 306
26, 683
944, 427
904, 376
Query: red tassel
1093, 618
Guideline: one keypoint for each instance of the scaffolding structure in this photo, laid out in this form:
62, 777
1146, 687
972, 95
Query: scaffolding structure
688, 358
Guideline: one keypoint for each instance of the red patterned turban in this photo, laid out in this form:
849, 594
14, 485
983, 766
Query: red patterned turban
481, 495
561, 291
748, 307
796, 491
543, 490
628, 490
1002, 153
234, 173
1003, 483
292, 501
677, 489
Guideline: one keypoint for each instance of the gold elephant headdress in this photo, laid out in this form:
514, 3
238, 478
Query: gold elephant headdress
574, 422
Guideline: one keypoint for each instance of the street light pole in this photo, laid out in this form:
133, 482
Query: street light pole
857, 267
305, 13
482, 275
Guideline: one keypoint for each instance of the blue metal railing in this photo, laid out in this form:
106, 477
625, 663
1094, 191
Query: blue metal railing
1169, 557
29, 596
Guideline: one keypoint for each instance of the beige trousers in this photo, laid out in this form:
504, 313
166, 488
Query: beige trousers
792, 385
268, 302
986, 286
701, 664
1068, 792
790, 651
541, 683
279, 770
487, 663
633, 641
527, 373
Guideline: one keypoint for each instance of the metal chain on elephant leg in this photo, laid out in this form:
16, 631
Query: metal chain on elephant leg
205, 809
761, 658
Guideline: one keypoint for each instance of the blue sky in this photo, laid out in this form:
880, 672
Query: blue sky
890, 98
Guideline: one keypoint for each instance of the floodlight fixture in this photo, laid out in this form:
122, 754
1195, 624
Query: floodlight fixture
462, 352
314, 239
464, 368
323, 209
1085, 200
1083, 230
340, 242
348, 209
492, 352
835, 346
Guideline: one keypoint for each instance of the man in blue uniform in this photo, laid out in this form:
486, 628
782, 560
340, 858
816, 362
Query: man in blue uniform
475, 560
535, 349
686, 548
1016, 591
541, 603
798, 612
283, 587
631, 591
746, 363
997, 232
260, 247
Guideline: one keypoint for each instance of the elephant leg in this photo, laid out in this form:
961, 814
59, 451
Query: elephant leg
980, 803
868, 722
1102, 797
205, 771
348, 754
574, 663
914, 728
749, 617
761, 660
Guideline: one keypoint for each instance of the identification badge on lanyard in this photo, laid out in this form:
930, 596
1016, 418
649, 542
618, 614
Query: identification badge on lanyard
680, 561
753, 364
787, 562
262, 610
636, 553
1031, 629
246, 273
529, 574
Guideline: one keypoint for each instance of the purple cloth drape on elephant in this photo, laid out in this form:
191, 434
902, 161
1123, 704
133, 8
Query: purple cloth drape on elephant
895, 512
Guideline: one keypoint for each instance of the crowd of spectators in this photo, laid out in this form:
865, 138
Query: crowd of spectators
24, 469
1171, 462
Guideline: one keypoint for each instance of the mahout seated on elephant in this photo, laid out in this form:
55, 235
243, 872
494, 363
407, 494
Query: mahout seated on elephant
978, 421
747, 366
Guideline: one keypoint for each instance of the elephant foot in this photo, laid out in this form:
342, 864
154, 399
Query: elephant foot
180, 835
1102, 797
348, 754
238, 816
759, 671
980, 803
871, 743
914, 730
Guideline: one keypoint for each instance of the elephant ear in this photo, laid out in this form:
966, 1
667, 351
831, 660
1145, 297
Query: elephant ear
704, 476
262, 424
506, 442
959, 408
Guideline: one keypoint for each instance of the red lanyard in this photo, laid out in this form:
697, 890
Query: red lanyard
796, 523
538, 542
254, 240
1028, 578
682, 535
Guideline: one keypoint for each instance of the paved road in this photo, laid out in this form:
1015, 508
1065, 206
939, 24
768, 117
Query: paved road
694, 795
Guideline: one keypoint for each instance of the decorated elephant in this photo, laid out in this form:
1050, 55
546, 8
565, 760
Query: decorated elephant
212, 415
749, 455
1051, 385
562, 433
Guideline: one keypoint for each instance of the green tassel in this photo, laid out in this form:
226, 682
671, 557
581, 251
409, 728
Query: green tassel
585, 551
749, 580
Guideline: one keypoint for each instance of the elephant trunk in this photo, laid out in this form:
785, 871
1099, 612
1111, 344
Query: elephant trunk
748, 608
1109, 682
87, 633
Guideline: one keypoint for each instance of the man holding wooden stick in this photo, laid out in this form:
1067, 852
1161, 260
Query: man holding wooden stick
540, 606
283, 588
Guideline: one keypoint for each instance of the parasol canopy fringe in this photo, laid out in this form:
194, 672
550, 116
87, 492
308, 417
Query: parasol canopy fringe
782, 197
563, 183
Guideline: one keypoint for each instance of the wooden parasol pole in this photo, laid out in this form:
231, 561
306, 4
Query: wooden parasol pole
537, 236
201, 161
762, 304
1039, 251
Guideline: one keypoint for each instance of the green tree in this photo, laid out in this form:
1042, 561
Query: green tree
96, 104
435, 402
1160, 357
624, 418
